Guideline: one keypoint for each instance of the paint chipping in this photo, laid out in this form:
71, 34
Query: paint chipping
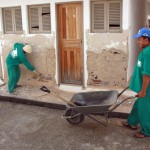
107, 68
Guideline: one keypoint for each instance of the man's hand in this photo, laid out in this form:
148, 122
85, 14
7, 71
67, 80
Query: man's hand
37, 73
142, 94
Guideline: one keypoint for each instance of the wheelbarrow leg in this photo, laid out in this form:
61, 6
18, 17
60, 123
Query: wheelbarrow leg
106, 116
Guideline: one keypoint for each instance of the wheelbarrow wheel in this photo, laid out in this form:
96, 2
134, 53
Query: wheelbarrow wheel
74, 117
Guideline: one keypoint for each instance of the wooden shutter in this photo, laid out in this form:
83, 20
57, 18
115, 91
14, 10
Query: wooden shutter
114, 16
12, 20
106, 16
40, 19
18, 20
46, 26
98, 16
34, 19
8, 21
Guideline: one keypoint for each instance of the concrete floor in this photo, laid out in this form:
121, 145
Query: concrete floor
25, 127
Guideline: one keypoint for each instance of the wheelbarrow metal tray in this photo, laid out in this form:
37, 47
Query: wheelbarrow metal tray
94, 102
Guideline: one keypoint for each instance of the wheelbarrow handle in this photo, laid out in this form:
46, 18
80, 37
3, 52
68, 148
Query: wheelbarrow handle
118, 104
123, 91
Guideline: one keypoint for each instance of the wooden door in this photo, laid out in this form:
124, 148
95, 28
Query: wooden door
70, 42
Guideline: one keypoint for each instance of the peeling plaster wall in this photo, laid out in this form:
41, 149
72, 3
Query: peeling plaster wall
1, 74
101, 45
43, 57
107, 58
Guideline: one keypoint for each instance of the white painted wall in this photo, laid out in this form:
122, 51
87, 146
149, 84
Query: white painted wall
8, 3
125, 17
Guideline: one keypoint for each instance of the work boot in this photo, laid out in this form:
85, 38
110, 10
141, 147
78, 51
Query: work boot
18, 86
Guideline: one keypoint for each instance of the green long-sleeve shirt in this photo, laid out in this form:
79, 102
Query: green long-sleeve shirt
17, 57
142, 67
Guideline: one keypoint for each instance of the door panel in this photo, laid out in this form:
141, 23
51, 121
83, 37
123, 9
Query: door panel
70, 42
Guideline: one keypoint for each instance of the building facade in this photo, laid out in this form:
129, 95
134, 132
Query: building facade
75, 42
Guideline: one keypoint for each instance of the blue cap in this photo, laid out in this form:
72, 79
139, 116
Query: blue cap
142, 32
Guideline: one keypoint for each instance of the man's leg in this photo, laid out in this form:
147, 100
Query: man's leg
144, 115
17, 74
11, 79
133, 118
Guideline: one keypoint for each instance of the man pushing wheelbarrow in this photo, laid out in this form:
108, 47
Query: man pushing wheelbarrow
90, 103
140, 113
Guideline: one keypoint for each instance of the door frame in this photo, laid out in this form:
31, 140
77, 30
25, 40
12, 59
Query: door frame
58, 48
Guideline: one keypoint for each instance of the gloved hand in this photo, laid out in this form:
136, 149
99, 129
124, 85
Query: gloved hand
36, 74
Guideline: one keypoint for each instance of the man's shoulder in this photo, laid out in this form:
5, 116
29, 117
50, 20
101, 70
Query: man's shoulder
147, 50
18, 46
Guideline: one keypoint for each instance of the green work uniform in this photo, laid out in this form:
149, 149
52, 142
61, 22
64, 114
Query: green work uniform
140, 113
13, 60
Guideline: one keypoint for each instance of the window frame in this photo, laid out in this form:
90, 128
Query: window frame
106, 16
40, 22
14, 23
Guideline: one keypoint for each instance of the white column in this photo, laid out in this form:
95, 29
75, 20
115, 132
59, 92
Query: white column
1, 59
24, 19
137, 20
1, 21
125, 15
86, 25
53, 10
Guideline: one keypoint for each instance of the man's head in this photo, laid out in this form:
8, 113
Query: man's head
143, 37
27, 49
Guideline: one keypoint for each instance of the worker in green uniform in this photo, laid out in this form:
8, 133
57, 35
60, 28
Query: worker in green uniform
140, 113
16, 57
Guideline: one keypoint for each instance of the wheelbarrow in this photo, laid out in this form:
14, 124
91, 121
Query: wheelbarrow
91, 103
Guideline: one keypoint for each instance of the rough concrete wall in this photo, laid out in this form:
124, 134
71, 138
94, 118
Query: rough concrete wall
1, 75
43, 57
148, 9
107, 58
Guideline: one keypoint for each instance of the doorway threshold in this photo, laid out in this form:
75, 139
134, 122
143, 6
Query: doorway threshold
71, 88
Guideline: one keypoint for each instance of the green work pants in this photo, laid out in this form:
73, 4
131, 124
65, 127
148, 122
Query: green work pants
13, 77
140, 114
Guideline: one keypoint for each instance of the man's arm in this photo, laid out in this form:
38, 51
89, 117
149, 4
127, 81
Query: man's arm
146, 80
